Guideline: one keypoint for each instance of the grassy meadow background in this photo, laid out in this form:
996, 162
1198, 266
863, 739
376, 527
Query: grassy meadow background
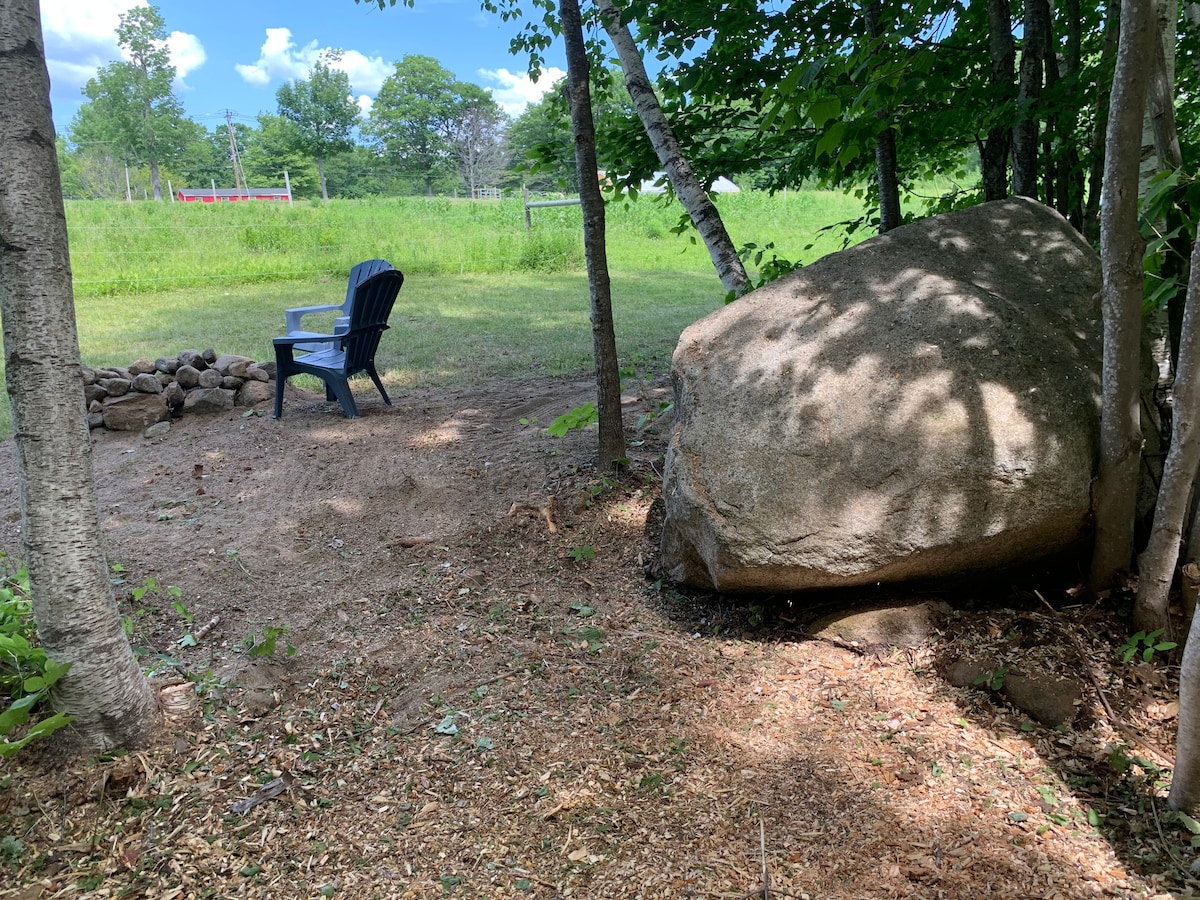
483, 296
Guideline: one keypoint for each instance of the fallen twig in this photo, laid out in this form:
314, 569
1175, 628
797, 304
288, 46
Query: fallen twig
268, 791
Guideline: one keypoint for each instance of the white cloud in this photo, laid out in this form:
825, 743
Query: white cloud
515, 92
281, 59
367, 73
187, 53
81, 36
364, 104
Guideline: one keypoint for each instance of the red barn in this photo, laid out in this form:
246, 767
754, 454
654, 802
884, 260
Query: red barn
230, 195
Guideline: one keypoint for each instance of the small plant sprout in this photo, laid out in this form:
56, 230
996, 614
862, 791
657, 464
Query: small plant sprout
266, 645
574, 420
993, 680
583, 553
1144, 645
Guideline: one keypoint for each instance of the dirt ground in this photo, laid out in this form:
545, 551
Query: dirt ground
490, 697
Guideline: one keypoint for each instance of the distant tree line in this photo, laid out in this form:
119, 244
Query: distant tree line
426, 132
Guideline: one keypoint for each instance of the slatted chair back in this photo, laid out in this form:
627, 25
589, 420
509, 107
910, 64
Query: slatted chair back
369, 310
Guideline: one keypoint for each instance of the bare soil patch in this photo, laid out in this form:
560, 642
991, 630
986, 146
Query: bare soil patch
489, 697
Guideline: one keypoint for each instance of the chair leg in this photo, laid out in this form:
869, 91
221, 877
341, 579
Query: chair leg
379, 384
280, 380
340, 387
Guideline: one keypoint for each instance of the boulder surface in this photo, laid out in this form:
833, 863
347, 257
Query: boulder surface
921, 405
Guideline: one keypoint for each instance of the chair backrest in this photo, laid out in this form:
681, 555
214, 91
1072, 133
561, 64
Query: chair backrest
369, 310
359, 274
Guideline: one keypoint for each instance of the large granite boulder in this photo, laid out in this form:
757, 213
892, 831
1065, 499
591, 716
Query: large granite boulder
923, 404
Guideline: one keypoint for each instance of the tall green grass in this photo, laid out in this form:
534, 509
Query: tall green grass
142, 248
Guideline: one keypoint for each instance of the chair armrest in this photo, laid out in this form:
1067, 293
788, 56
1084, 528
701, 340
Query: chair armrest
289, 341
292, 316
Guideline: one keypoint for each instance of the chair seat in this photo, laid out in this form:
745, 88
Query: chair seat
324, 359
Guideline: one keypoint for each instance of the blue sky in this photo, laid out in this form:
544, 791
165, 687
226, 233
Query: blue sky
235, 55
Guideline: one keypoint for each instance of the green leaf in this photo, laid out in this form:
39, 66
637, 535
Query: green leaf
831, 139
824, 110
1188, 822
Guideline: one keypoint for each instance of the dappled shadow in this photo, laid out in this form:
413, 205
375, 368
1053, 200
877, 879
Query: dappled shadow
919, 411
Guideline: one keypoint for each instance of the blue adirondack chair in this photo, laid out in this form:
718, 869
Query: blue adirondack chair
343, 355
358, 275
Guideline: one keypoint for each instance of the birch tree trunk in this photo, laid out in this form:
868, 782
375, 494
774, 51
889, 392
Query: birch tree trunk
1115, 493
604, 342
1160, 141
1156, 565
691, 193
105, 692
1185, 780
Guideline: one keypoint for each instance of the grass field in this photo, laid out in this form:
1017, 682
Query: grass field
483, 296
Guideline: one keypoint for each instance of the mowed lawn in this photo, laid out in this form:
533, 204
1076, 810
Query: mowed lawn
484, 296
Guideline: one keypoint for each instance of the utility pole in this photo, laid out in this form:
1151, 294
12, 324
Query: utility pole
239, 180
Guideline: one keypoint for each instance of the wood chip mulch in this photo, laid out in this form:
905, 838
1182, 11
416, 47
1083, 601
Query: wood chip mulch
599, 736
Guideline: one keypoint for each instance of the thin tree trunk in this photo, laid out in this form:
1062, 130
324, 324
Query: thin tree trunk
105, 692
1052, 135
604, 342
1160, 140
155, 180
1156, 565
1115, 494
1070, 174
995, 150
885, 143
1091, 212
321, 173
1025, 134
1185, 780
687, 187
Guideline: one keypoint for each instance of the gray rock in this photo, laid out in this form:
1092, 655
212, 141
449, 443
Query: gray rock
254, 392
229, 364
173, 395
142, 366
187, 376
232, 382
258, 372
920, 405
115, 387
193, 358
164, 379
167, 364
158, 429
95, 406
209, 378
890, 626
208, 400
134, 412
269, 367
93, 392
89, 375
147, 384
209, 356
95, 420
1044, 698
968, 672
